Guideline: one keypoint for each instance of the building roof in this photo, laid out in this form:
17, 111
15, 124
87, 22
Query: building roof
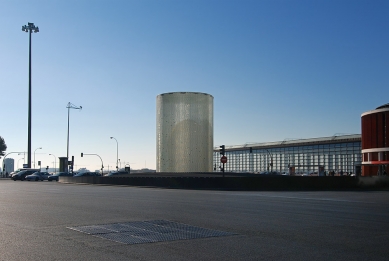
295, 142
383, 106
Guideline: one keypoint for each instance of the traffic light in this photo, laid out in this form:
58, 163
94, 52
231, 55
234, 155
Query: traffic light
82, 154
222, 150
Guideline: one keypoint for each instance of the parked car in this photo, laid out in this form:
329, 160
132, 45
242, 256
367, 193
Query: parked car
115, 173
21, 175
87, 174
38, 176
13, 173
60, 174
19, 170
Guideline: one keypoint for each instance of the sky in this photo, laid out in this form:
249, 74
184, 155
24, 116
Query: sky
278, 69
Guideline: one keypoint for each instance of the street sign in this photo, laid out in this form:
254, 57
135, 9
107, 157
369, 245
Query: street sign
223, 159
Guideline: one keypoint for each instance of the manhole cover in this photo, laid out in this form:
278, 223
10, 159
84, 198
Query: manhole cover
148, 231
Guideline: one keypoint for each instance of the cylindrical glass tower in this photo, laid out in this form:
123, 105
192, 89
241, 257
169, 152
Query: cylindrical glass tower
184, 132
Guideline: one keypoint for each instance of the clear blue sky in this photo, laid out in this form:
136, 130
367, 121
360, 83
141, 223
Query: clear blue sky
277, 69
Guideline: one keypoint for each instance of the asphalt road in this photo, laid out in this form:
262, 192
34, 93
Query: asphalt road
35, 216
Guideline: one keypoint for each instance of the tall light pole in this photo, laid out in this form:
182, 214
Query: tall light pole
29, 29
117, 153
55, 164
34, 154
70, 106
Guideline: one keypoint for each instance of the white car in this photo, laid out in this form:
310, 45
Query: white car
38, 176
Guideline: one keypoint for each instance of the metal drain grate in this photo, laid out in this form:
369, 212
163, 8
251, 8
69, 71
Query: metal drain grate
148, 231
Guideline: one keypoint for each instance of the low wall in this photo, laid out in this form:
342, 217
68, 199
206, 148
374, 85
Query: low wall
240, 183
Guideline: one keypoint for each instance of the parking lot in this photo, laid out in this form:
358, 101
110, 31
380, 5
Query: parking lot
39, 221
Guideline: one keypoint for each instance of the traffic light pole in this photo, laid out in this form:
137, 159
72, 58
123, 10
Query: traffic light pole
102, 164
223, 159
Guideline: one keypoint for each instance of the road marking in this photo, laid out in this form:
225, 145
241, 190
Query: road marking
306, 198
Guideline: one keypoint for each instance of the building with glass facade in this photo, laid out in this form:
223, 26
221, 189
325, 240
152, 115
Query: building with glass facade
338, 153
184, 132
9, 165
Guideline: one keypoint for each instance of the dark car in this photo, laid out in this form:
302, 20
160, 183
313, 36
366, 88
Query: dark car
87, 174
38, 176
21, 175
19, 170
60, 174
13, 173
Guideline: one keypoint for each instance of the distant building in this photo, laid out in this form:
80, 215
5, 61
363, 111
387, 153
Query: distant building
83, 170
304, 156
184, 132
144, 170
9, 165
366, 154
375, 141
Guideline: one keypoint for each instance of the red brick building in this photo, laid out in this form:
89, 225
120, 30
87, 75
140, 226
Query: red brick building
375, 142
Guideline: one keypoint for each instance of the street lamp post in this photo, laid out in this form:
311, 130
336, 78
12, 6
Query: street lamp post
18, 162
55, 164
4, 160
117, 153
24, 156
34, 154
70, 106
29, 29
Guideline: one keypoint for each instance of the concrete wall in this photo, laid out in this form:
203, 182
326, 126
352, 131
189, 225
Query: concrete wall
242, 183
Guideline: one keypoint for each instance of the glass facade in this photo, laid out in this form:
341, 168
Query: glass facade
184, 132
334, 153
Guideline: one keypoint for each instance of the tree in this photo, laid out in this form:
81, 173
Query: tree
3, 147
